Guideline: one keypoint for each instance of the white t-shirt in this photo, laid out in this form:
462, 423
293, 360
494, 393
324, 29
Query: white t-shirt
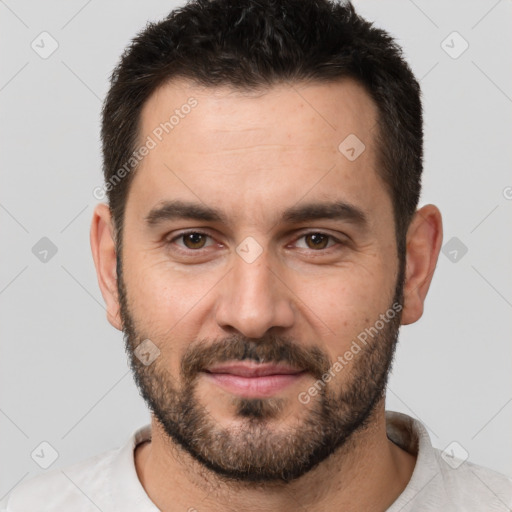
108, 482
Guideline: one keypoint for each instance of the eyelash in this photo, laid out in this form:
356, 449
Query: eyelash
186, 250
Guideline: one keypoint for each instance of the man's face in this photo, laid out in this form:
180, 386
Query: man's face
269, 279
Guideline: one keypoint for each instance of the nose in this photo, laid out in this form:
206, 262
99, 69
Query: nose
253, 298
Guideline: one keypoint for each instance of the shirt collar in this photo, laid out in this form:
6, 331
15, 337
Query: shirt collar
126, 489
411, 435
408, 433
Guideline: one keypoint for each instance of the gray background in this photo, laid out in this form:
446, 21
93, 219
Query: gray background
64, 377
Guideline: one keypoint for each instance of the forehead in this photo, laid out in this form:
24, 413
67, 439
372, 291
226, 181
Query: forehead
300, 113
258, 150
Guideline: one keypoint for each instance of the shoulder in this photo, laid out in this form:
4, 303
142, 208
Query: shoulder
469, 486
81, 487
441, 480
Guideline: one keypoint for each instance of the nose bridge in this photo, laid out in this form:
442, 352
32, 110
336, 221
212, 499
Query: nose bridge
252, 299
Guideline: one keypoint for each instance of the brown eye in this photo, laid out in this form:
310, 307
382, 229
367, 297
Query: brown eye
194, 240
316, 240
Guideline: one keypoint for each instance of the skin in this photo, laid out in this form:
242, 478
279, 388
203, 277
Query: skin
252, 156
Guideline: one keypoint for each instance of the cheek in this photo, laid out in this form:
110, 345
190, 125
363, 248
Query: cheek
347, 303
162, 299
148, 289
162, 307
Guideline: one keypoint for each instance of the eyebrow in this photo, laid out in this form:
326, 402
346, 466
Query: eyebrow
336, 210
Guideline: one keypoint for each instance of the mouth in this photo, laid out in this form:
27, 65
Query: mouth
253, 380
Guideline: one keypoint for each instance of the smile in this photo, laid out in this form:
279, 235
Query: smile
253, 380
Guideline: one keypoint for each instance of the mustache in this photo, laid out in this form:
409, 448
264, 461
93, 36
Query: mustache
270, 349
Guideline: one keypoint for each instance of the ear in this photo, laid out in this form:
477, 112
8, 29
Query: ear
424, 238
104, 254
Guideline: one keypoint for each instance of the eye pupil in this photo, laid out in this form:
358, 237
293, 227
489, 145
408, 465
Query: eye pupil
194, 240
319, 241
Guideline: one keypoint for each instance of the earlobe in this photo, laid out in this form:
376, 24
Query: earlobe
424, 239
104, 255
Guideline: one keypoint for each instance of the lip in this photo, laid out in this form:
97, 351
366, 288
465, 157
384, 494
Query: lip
253, 380
253, 369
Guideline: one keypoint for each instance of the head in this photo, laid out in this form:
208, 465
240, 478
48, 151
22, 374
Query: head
263, 167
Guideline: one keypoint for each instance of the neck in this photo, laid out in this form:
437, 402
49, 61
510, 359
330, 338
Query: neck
368, 472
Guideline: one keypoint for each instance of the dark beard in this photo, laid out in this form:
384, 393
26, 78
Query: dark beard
261, 451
